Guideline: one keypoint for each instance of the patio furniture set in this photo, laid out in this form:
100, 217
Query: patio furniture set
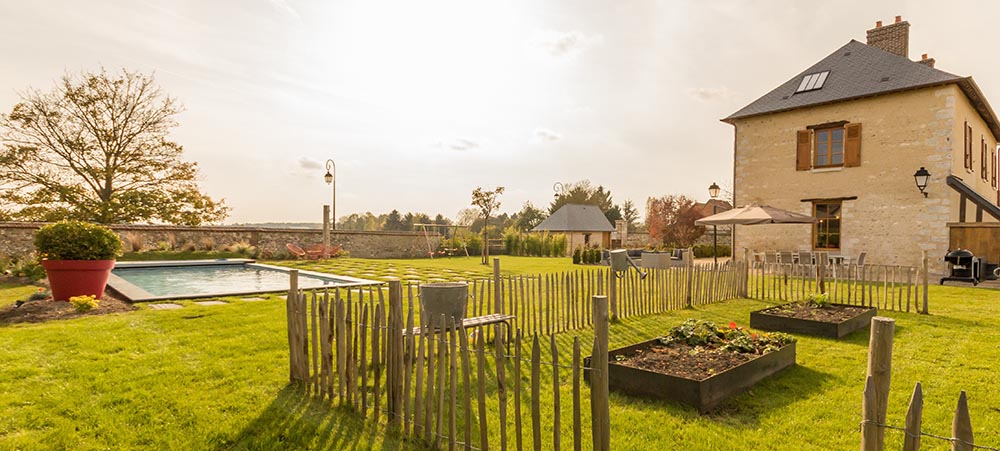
808, 258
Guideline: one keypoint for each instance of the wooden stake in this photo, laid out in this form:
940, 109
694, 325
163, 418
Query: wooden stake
599, 405
536, 409
961, 426
880, 368
484, 443
914, 414
869, 414
555, 395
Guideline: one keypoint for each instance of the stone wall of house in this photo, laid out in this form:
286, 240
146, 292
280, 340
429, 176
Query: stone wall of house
16, 239
883, 213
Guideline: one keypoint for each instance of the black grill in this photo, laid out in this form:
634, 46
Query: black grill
965, 266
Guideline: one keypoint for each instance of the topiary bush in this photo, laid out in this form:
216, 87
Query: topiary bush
77, 240
705, 250
577, 258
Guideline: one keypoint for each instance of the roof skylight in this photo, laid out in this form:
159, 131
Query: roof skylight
812, 82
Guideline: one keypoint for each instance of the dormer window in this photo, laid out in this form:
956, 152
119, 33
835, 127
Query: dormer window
812, 82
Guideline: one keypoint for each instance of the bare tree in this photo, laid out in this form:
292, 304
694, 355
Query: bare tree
96, 148
487, 203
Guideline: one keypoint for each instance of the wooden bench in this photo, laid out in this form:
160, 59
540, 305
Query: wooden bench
476, 321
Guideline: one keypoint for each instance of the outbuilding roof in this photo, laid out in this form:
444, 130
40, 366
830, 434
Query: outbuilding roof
857, 70
576, 218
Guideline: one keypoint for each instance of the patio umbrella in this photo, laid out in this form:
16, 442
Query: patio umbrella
753, 214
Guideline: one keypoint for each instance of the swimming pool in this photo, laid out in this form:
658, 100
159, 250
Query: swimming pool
154, 281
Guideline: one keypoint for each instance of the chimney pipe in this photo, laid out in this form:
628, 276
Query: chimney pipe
929, 62
893, 38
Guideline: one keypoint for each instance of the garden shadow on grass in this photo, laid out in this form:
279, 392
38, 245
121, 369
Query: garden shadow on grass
296, 420
745, 409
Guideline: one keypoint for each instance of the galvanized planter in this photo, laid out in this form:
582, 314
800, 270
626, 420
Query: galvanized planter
703, 395
762, 320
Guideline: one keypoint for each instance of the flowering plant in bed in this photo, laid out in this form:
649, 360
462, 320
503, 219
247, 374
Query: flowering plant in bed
77, 256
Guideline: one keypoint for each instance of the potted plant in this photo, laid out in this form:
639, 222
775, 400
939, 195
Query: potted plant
77, 257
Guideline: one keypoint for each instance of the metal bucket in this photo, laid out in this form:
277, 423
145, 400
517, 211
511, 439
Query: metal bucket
619, 260
446, 298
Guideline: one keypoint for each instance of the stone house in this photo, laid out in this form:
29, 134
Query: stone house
843, 140
585, 226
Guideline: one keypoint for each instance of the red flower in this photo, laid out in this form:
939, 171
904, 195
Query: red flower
732, 325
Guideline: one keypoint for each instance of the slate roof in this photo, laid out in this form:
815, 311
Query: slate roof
857, 70
576, 218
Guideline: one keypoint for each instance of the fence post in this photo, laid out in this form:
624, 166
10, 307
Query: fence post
914, 418
821, 272
394, 357
599, 413
924, 267
961, 426
293, 288
497, 286
745, 277
880, 369
690, 277
613, 294
869, 415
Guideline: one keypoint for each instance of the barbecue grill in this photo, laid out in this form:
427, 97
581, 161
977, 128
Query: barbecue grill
965, 266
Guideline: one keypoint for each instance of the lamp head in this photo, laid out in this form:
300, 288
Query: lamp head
921, 177
713, 190
328, 177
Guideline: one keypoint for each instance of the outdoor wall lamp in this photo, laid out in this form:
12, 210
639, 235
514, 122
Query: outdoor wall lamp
921, 177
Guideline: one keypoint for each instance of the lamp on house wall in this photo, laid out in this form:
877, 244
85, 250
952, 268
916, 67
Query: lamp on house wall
713, 191
921, 177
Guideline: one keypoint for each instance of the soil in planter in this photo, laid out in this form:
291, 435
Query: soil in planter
46, 310
834, 313
682, 360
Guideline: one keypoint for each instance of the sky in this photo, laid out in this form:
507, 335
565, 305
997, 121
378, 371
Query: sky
420, 102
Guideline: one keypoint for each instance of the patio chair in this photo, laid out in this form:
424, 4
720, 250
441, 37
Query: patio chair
785, 258
315, 252
295, 250
770, 257
805, 258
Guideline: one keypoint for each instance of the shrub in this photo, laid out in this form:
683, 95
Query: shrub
734, 339
577, 258
207, 243
243, 248
705, 250
28, 268
84, 303
559, 245
134, 241
474, 243
189, 246
76, 240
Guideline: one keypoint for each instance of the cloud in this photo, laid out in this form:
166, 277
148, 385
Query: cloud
563, 44
308, 163
708, 94
547, 135
283, 7
458, 144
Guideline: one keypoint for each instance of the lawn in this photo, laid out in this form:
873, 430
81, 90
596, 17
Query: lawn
216, 378
431, 270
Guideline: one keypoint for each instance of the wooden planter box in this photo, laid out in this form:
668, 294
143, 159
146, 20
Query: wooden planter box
704, 395
766, 321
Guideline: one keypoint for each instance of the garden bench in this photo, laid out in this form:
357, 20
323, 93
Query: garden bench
476, 321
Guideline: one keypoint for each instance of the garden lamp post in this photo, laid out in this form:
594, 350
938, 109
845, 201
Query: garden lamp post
558, 188
331, 179
713, 191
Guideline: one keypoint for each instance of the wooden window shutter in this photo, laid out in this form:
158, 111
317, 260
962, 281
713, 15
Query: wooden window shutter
852, 145
803, 150
968, 146
993, 172
982, 156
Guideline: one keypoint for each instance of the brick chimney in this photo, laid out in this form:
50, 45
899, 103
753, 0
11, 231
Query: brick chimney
929, 62
893, 38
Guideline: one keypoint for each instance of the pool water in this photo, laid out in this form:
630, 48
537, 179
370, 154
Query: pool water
180, 281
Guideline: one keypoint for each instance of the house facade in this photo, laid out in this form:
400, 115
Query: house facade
842, 140
585, 226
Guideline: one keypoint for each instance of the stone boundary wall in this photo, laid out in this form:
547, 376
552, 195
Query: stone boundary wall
16, 238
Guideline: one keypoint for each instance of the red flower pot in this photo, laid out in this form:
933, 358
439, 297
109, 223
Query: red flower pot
70, 278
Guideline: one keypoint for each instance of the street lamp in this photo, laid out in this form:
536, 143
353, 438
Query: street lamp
713, 191
558, 188
331, 179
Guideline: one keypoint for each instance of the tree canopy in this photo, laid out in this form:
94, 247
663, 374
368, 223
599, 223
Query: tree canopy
96, 148
670, 219
486, 201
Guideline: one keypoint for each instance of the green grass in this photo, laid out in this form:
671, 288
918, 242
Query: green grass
426, 270
11, 293
215, 378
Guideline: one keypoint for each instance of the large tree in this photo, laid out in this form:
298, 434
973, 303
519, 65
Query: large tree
630, 214
97, 148
486, 201
670, 219
584, 193
529, 217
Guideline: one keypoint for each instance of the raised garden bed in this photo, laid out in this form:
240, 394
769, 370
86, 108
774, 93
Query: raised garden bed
700, 375
830, 320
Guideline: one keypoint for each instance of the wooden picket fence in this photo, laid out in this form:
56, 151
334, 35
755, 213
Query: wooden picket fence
348, 346
874, 404
897, 288
546, 304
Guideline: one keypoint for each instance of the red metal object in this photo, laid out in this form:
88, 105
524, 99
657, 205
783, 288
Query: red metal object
70, 278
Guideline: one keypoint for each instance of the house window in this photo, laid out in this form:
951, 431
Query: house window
829, 147
586, 239
826, 231
812, 82
993, 171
